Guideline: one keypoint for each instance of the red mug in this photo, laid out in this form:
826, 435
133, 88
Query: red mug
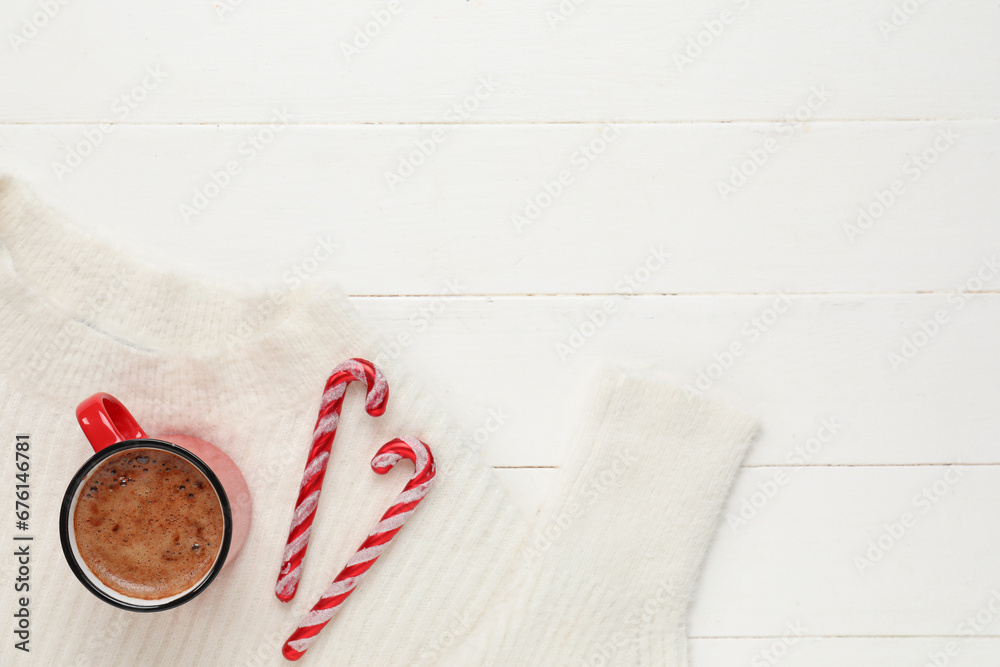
111, 429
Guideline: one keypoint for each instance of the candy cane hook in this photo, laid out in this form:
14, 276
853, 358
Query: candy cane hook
377, 541
351, 370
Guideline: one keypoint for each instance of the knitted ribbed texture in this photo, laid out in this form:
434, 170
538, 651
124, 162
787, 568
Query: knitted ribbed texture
246, 372
604, 579
610, 568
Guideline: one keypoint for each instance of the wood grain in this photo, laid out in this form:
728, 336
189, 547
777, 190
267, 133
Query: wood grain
757, 60
654, 186
786, 207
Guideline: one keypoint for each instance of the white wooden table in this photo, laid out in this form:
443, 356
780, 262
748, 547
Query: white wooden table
790, 206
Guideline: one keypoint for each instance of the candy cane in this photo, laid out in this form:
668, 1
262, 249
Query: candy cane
392, 521
319, 454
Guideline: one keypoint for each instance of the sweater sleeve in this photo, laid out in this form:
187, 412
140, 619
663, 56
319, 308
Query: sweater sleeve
608, 571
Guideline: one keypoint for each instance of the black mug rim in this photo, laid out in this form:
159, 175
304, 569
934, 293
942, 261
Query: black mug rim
73, 488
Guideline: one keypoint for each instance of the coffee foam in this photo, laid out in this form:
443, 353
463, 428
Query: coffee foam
148, 524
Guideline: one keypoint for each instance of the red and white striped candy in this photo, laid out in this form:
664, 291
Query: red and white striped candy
392, 521
351, 370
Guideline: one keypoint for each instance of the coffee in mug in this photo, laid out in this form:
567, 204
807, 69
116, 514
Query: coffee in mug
148, 523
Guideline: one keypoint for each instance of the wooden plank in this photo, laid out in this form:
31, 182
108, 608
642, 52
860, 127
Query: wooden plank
922, 533
865, 545
646, 61
791, 561
819, 376
653, 190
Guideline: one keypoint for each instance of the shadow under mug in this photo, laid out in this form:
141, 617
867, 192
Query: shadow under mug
111, 429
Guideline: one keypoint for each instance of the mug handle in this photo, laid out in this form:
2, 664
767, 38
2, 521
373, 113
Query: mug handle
105, 421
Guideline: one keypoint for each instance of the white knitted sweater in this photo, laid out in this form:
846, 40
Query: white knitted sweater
465, 581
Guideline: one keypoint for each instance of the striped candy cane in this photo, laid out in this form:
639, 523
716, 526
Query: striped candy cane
319, 454
392, 521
